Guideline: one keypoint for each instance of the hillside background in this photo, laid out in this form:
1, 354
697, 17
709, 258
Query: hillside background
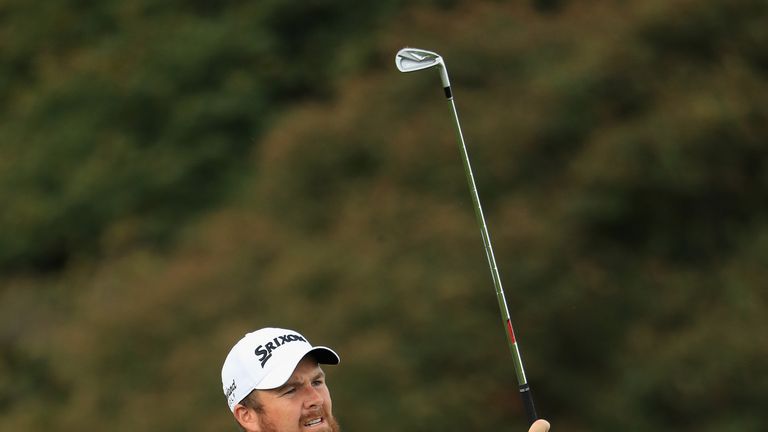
174, 174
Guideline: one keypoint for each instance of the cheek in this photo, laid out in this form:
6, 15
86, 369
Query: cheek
281, 415
281, 409
327, 398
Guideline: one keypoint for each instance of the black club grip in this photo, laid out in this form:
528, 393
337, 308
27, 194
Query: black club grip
530, 409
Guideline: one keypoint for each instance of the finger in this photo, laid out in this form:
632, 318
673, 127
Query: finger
539, 426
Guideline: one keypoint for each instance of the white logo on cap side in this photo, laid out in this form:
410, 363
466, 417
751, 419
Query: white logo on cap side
229, 392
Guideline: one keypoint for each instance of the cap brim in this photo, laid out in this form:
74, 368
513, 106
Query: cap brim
324, 355
281, 374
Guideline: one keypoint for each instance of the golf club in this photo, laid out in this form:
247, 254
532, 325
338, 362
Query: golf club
412, 60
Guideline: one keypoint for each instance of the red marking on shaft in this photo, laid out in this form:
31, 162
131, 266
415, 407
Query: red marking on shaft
511, 332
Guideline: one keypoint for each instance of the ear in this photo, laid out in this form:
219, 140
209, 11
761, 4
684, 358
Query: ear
247, 417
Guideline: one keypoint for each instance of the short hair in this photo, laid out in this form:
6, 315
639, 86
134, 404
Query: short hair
252, 401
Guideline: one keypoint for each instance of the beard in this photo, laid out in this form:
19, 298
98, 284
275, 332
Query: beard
331, 425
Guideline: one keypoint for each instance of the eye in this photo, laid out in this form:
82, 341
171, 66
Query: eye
318, 382
288, 391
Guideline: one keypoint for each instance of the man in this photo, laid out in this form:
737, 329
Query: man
273, 383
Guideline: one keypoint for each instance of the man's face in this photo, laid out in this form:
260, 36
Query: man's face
302, 404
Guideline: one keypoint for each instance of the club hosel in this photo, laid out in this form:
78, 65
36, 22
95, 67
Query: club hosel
444, 78
448, 94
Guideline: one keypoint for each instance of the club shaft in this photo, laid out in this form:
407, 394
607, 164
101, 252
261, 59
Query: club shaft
522, 381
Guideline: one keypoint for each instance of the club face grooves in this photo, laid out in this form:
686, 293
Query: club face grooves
414, 59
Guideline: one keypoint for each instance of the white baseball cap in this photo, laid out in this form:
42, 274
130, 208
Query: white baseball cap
265, 359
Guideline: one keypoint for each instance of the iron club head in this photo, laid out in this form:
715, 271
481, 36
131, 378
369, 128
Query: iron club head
415, 59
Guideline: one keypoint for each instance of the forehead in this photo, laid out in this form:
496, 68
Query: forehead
307, 370
307, 366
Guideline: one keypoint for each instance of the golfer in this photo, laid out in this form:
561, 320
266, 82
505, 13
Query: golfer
273, 383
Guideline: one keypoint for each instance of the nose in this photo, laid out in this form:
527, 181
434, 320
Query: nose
313, 398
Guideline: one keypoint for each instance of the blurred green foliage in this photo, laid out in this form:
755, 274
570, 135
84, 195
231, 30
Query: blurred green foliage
174, 174
145, 112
